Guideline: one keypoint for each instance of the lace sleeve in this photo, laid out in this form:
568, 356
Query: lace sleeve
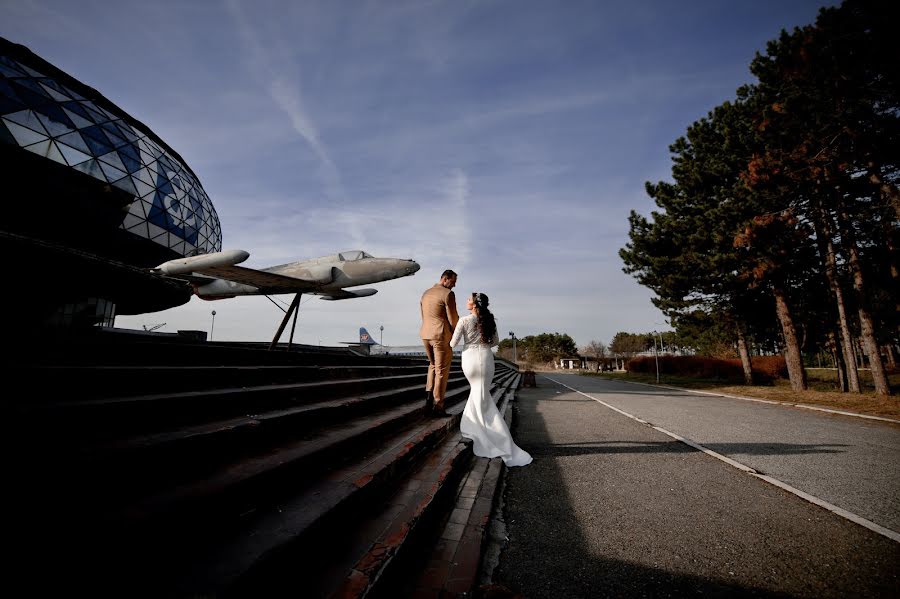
458, 333
495, 340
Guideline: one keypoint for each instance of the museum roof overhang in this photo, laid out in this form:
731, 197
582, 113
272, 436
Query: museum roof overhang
92, 197
49, 114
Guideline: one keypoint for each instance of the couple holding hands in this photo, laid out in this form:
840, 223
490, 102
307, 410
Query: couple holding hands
442, 329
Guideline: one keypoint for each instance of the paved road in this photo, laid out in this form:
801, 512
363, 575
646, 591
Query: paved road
852, 463
613, 508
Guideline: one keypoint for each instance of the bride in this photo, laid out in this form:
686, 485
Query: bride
481, 420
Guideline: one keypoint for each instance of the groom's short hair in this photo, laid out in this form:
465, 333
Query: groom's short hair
448, 274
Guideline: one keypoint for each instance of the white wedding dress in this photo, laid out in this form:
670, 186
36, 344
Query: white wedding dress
481, 420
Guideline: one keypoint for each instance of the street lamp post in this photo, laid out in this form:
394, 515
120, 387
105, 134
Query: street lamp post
656, 357
213, 326
515, 357
381, 328
656, 352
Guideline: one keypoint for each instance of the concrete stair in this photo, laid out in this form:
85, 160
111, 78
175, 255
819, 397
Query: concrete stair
262, 479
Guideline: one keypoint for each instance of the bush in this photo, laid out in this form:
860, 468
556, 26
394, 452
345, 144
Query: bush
765, 368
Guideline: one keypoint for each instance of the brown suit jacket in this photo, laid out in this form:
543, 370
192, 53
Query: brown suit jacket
439, 317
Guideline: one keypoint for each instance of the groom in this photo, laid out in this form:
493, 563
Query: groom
439, 317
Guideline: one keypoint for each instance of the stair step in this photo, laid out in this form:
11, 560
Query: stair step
78, 383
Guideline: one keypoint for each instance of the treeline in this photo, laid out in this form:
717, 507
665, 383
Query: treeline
539, 348
780, 226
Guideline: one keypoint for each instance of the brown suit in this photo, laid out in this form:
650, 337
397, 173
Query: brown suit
439, 317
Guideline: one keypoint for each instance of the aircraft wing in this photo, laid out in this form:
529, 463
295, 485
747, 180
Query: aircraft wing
346, 294
266, 282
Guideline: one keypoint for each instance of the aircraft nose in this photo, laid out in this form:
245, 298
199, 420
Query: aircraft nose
413, 267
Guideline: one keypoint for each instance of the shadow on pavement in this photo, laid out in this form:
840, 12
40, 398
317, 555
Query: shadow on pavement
608, 510
599, 447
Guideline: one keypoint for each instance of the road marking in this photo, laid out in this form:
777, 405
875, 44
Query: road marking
856, 519
757, 400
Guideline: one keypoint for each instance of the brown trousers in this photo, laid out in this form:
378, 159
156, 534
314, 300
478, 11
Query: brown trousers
439, 357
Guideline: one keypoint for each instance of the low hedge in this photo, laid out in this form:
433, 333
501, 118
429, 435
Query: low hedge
765, 368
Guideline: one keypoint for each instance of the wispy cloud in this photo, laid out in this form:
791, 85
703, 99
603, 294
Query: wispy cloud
285, 91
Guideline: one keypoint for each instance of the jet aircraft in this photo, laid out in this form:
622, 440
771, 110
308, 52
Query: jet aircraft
216, 276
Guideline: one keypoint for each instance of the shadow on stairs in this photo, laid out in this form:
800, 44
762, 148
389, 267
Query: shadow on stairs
204, 472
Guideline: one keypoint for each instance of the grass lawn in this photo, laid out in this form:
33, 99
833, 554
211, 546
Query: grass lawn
821, 390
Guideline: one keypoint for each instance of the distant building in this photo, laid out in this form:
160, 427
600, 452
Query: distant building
93, 199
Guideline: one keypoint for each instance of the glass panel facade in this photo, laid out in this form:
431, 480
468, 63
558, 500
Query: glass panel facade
41, 114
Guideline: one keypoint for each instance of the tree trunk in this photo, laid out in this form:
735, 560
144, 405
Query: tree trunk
891, 359
866, 323
839, 363
796, 373
824, 237
888, 191
745, 355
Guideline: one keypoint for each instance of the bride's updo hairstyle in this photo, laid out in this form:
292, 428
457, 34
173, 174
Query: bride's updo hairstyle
487, 326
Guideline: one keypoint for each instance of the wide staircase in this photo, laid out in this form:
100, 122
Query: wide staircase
141, 467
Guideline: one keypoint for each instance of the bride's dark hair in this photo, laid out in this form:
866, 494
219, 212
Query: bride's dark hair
487, 326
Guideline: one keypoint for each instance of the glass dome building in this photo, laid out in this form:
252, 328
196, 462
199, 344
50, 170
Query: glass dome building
93, 198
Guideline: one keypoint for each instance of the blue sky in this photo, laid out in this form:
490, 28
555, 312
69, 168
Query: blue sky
507, 140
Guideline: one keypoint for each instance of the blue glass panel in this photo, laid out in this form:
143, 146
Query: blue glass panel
79, 121
53, 127
5, 136
140, 229
24, 136
7, 91
97, 117
33, 86
126, 131
31, 71
54, 154
55, 112
142, 188
157, 213
97, 134
92, 168
167, 164
8, 72
53, 93
166, 213
75, 140
129, 158
112, 159
29, 97
77, 108
144, 175
98, 148
164, 186
111, 129
9, 62
72, 155
112, 173
114, 135
27, 118
58, 87
125, 184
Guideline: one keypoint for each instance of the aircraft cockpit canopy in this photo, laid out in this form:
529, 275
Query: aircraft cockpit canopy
353, 255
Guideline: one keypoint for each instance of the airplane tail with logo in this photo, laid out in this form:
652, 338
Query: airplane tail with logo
365, 338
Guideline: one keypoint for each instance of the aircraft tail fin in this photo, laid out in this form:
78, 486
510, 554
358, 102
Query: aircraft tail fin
365, 338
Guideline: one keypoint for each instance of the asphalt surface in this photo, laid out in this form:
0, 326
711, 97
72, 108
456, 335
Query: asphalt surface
852, 463
613, 508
